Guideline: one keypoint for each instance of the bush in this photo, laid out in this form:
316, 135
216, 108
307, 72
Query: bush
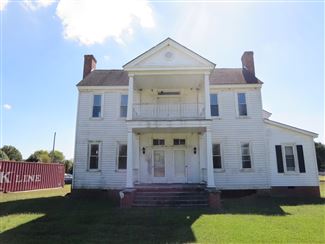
12, 153
3, 155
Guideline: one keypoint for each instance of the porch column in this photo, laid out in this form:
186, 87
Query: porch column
210, 172
130, 98
207, 95
129, 164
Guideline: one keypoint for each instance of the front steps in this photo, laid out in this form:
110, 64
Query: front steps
171, 196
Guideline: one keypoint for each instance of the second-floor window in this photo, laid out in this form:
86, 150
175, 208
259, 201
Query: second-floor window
242, 106
124, 106
97, 106
214, 105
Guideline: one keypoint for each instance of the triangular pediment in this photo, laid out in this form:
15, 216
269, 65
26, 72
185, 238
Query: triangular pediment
169, 54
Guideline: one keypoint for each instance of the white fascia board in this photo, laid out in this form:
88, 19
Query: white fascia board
235, 86
169, 68
289, 127
102, 88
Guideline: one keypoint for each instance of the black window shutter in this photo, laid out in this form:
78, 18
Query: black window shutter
301, 159
279, 158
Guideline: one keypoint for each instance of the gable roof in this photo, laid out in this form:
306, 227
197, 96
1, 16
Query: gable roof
120, 78
166, 42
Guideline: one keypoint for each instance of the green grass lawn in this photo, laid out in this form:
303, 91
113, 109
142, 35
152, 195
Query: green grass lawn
51, 216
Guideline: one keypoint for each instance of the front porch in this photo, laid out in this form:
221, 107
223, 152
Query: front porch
169, 156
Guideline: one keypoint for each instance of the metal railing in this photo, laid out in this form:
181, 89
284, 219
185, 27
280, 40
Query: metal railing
148, 111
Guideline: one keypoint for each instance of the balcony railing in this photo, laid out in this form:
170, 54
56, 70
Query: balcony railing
182, 111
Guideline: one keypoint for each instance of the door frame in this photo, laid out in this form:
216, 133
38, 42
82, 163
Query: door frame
157, 179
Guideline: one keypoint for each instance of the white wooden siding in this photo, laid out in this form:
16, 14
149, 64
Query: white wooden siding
278, 136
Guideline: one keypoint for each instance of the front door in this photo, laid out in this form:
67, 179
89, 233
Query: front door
179, 166
159, 166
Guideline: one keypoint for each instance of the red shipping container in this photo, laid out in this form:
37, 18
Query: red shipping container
26, 176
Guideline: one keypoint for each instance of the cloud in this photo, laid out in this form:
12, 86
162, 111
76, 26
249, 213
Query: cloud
3, 4
93, 21
37, 4
7, 106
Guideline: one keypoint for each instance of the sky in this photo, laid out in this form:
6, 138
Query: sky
43, 43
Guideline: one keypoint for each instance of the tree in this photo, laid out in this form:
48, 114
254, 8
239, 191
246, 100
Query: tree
57, 156
320, 155
39, 156
3, 155
12, 153
68, 165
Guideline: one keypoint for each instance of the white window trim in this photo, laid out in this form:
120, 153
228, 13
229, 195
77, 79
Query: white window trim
101, 107
119, 107
251, 169
294, 147
222, 169
237, 106
118, 144
219, 112
99, 143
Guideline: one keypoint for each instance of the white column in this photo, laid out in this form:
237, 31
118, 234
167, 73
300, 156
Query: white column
207, 95
210, 171
129, 164
130, 97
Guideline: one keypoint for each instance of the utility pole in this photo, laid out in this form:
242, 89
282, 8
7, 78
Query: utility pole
53, 147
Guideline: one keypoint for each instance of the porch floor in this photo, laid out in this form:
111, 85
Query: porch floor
170, 186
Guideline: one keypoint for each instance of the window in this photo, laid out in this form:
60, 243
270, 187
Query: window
97, 106
157, 142
122, 157
289, 157
93, 155
214, 107
245, 155
242, 107
179, 142
124, 106
216, 152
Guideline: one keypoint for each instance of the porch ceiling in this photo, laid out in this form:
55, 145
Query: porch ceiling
168, 81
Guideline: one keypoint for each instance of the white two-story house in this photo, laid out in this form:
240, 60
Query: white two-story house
171, 116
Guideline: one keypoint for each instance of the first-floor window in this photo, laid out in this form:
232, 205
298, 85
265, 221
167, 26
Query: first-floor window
290, 158
179, 142
245, 155
93, 155
158, 142
216, 152
122, 157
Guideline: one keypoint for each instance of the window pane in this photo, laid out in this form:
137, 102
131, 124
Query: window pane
122, 160
97, 100
214, 110
123, 111
241, 98
179, 141
216, 149
157, 142
290, 160
94, 149
96, 111
247, 164
288, 150
93, 162
123, 150
124, 100
217, 162
242, 109
213, 99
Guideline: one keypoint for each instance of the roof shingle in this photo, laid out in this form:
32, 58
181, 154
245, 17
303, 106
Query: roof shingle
218, 76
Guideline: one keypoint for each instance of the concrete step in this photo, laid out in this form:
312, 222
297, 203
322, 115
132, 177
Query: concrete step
166, 205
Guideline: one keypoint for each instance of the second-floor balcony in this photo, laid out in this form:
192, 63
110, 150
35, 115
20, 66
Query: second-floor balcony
169, 111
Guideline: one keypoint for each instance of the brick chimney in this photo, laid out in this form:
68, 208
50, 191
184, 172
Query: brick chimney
89, 64
248, 62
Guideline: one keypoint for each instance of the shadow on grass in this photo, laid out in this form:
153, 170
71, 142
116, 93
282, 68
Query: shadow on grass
70, 220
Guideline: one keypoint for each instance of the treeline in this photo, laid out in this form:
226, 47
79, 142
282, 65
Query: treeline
11, 153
